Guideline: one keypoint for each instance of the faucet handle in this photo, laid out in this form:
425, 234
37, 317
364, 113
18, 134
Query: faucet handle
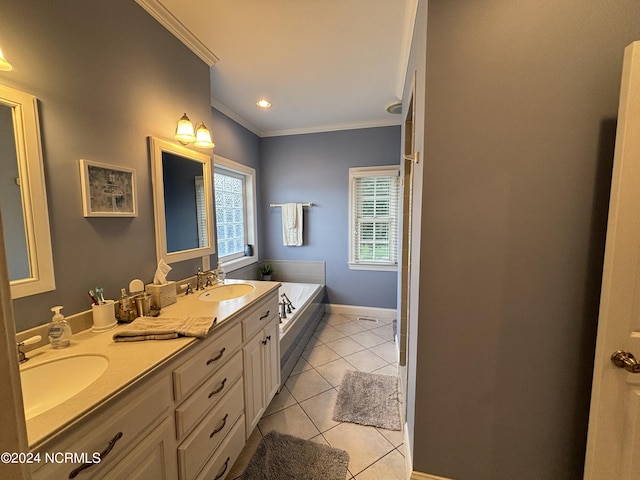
28, 341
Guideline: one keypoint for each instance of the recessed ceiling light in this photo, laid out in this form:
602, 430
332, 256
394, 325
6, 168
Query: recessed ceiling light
395, 107
263, 103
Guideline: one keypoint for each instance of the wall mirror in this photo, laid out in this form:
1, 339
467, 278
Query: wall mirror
183, 201
23, 197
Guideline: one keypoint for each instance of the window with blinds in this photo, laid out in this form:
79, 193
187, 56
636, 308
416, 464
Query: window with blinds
374, 203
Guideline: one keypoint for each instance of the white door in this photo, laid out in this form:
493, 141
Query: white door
613, 445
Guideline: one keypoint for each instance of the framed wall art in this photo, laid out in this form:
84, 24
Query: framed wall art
108, 190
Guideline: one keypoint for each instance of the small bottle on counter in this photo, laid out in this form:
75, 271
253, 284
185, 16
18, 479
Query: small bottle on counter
220, 274
59, 330
124, 307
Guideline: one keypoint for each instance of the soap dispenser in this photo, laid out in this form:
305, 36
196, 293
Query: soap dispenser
220, 274
59, 330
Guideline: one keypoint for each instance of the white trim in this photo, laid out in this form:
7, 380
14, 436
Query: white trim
408, 458
377, 312
392, 122
426, 476
157, 146
405, 49
251, 204
179, 30
222, 108
370, 172
34, 193
378, 267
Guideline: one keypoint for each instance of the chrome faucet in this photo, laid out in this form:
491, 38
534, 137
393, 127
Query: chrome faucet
209, 279
283, 310
199, 275
29, 341
288, 303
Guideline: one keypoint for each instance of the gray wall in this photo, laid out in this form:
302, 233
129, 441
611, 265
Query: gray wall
521, 99
315, 168
107, 75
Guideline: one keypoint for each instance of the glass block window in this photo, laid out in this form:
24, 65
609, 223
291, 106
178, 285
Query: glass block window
229, 188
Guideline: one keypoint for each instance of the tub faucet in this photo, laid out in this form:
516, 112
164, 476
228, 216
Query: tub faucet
283, 311
288, 303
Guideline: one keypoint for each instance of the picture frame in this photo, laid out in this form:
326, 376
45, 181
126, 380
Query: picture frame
108, 190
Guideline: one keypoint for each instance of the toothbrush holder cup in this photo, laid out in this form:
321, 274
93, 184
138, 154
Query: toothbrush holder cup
104, 316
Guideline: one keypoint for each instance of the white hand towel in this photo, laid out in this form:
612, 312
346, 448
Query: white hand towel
292, 224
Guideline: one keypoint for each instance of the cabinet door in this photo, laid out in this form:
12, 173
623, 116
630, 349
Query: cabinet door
254, 381
152, 459
271, 362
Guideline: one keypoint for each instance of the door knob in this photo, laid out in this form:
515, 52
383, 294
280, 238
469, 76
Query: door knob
626, 360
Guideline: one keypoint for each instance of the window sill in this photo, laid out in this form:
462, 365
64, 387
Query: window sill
373, 267
238, 263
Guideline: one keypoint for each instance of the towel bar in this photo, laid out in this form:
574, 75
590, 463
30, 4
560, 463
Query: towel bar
280, 204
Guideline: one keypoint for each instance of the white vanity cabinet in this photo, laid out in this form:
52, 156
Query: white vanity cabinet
206, 416
135, 434
261, 354
188, 418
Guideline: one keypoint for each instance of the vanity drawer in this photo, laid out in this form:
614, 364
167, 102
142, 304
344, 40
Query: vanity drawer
193, 372
208, 395
135, 416
220, 464
203, 441
260, 315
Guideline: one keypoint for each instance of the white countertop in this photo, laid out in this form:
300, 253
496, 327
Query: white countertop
128, 361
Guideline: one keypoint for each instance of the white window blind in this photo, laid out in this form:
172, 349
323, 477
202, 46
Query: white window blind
201, 213
374, 203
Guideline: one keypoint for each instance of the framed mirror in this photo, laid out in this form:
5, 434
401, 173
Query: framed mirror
23, 196
183, 201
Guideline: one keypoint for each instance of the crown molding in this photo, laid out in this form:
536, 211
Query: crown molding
331, 128
177, 28
407, 38
222, 108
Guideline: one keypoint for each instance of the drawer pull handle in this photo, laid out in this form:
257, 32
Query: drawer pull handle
269, 337
264, 342
265, 315
219, 389
217, 357
224, 422
224, 470
104, 453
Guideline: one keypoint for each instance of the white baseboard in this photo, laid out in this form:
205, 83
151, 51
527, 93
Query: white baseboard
408, 457
426, 476
389, 313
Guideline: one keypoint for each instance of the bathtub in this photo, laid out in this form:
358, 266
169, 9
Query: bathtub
297, 327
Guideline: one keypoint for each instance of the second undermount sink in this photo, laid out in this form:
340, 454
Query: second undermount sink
48, 384
227, 292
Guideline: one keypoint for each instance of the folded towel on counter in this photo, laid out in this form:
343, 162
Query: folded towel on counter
157, 328
292, 224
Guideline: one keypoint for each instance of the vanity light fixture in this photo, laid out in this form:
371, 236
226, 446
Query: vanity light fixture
200, 136
203, 136
263, 103
4, 65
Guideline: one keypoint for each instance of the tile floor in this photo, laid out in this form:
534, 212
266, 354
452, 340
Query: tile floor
304, 405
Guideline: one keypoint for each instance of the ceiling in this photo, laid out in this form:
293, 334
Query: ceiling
323, 64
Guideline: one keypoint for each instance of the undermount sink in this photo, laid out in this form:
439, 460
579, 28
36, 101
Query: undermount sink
227, 292
48, 384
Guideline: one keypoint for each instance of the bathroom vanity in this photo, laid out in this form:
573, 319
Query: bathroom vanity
170, 409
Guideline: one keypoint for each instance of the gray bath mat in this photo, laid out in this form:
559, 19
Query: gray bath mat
284, 457
368, 399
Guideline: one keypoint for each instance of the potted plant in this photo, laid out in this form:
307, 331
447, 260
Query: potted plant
266, 270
